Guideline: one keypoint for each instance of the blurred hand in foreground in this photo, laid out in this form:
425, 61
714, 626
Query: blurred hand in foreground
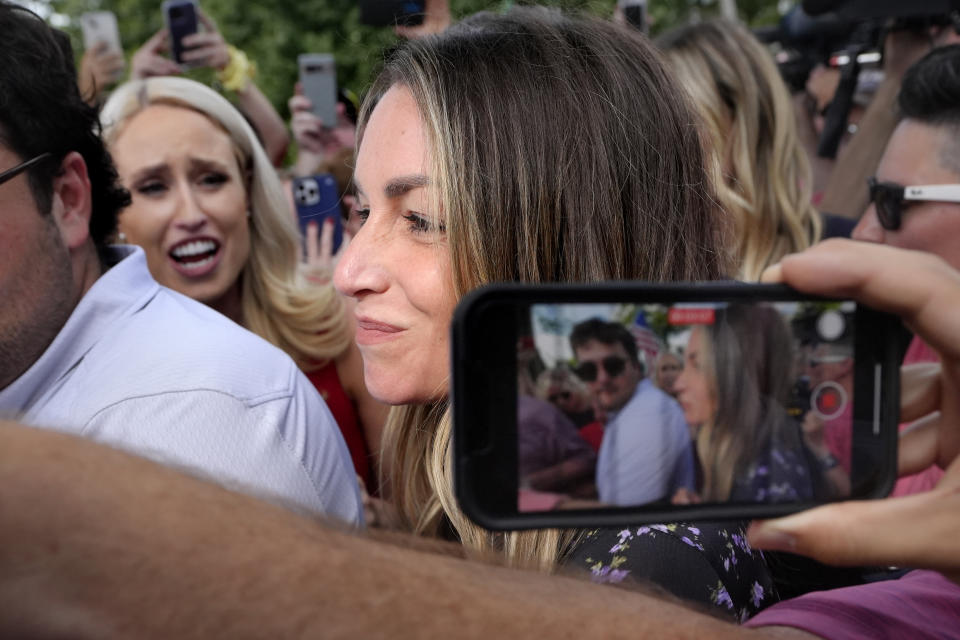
917, 531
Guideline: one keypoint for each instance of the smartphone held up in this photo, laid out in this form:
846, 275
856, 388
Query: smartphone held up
318, 81
630, 403
100, 29
317, 200
181, 19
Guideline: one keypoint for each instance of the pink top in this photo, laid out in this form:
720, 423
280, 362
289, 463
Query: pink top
920, 605
918, 351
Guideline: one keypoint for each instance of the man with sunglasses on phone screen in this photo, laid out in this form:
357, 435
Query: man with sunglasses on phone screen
646, 453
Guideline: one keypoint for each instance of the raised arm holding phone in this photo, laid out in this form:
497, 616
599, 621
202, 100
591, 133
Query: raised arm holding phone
208, 48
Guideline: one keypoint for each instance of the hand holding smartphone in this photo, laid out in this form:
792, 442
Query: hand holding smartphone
757, 361
181, 19
103, 62
318, 80
100, 28
317, 200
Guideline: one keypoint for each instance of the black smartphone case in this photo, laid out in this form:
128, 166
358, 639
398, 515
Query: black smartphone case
181, 19
484, 403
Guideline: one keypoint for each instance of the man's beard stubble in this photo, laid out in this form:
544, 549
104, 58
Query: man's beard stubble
38, 304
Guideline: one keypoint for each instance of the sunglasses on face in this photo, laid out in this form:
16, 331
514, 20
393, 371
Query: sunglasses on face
613, 365
562, 395
890, 198
13, 172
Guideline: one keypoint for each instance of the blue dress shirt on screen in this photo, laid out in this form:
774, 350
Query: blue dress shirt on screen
145, 369
646, 453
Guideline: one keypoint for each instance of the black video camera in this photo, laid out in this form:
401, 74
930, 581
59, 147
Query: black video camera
856, 10
846, 34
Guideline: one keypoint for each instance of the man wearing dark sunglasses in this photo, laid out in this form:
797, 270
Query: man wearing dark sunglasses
645, 453
915, 196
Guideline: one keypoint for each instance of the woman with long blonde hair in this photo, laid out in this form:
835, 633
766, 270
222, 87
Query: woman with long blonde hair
526, 147
209, 211
766, 183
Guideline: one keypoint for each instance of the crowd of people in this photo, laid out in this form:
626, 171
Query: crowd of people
217, 421
759, 409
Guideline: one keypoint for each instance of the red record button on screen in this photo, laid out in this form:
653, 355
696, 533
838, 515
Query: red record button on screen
829, 400
690, 315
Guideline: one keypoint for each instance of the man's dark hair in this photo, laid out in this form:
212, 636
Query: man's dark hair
604, 333
41, 110
930, 92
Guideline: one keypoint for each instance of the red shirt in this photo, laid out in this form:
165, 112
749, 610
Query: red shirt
327, 383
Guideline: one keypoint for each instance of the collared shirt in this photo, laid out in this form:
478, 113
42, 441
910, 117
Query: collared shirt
646, 452
143, 368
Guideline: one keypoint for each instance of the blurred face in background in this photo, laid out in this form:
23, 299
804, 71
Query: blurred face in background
695, 390
669, 367
568, 397
190, 209
397, 267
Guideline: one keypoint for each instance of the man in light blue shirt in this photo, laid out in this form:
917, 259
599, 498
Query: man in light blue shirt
90, 344
646, 453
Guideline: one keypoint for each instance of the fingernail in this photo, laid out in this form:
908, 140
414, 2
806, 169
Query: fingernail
765, 536
773, 273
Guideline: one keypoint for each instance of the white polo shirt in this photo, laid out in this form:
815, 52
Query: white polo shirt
145, 369
646, 453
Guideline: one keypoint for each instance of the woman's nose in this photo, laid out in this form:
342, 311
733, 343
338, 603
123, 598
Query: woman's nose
190, 215
361, 268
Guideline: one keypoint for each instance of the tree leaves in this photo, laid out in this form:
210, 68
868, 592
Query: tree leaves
274, 32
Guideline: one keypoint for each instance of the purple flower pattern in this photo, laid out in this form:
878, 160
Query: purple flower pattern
734, 578
780, 477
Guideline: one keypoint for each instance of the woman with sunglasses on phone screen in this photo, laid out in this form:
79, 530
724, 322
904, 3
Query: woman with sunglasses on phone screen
734, 388
560, 387
476, 164
208, 210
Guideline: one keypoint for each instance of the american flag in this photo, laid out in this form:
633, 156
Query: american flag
649, 344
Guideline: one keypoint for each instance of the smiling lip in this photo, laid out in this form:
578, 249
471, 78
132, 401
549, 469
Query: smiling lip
196, 260
371, 332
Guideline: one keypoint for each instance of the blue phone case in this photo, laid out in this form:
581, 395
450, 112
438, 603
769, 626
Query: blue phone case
317, 198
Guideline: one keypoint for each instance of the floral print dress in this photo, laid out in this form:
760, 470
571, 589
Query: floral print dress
781, 476
707, 563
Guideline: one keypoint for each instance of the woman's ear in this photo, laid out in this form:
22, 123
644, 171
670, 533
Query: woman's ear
72, 201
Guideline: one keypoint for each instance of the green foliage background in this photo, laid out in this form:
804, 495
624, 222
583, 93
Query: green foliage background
274, 32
